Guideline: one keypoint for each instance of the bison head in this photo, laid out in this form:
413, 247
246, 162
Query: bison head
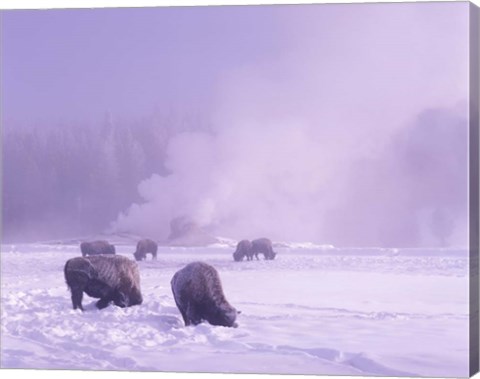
123, 300
224, 316
237, 257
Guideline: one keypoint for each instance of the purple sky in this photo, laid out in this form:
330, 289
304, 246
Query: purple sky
318, 111
71, 64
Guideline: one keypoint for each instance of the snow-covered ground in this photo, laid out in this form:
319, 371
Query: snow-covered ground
313, 310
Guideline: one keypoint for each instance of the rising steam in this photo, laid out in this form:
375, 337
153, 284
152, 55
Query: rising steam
354, 136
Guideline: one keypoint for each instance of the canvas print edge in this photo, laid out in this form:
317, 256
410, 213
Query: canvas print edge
474, 190
474, 187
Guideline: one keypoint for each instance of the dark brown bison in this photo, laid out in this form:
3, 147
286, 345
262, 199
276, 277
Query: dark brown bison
264, 246
244, 249
105, 277
96, 248
145, 246
199, 296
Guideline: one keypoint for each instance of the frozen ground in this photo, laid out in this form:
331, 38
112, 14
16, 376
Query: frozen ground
313, 310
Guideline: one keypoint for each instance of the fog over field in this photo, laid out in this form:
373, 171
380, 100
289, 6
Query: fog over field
315, 123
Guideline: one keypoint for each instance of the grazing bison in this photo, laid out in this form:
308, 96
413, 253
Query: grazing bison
244, 249
199, 296
145, 246
264, 246
96, 248
109, 278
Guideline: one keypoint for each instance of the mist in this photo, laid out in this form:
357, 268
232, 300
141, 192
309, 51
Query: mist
330, 124
353, 137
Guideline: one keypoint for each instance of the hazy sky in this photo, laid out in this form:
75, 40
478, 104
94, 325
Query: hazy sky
317, 111
70, 64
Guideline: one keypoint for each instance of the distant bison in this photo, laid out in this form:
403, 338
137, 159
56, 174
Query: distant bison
96, 248
264, 246
199, 296
145, 246
244, 249
109, 278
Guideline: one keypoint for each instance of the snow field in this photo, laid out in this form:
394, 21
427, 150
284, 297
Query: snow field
306, 312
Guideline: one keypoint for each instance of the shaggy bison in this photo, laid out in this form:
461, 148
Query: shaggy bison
199, 296
109, 278
264, 246
244, 249
145, 246
96, 248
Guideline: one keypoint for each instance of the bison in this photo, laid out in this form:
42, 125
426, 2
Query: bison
264, 246
96, 248
108, 278
244, 249
145, 246
199, 296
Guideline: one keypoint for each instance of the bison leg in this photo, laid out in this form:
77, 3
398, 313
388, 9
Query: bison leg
193, 315
103, 302
77, 282
120, 300
186, 320
106, 295
77, 296
154, 255
183, 313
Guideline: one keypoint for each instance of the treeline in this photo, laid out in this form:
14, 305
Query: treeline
72, 180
